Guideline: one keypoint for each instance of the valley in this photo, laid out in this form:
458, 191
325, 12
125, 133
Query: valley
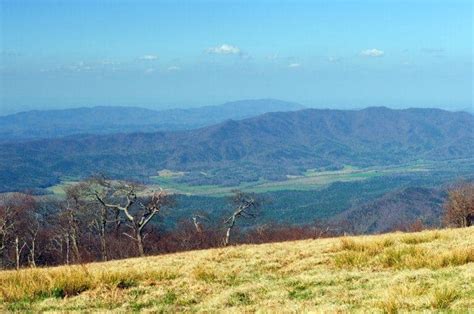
255, 153
311, 179
323, 196
236, 156
338, 168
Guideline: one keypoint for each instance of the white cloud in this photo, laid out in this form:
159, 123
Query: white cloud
174, 68
372, 53
80, 66
224, 49
149, 71
294, 65
149, 57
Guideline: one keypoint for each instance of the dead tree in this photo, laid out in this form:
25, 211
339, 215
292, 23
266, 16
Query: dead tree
74, 209
245, 206
137, 213
102, 191
17, 216
105, 192
7, 224
459, 207
32, 231
197, 220
18, 251
145, 213
16, 213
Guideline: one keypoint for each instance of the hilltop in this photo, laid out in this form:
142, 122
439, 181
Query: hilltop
430, 270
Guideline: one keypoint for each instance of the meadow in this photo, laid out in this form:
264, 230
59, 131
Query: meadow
311, 179
425, 271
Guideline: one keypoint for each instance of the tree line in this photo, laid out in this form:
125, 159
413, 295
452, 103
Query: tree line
100, 219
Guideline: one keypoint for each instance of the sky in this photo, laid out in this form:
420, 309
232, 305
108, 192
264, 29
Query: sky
162, 54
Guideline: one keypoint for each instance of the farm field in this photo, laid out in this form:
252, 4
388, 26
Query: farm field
310, 180
315, 195
313, 179
425, 271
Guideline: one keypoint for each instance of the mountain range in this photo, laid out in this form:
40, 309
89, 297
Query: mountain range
39, 124
270, 146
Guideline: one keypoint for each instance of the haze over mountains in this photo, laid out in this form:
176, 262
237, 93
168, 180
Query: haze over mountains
104, 120
270, 147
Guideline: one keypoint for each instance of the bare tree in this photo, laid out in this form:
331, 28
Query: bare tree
30, 229
18, 251
33, 230
7, 224
145, 213
459, 207
198, 219
245, 206
75, 207
195, 236
137, 213
101, 190
17, 211
111, 198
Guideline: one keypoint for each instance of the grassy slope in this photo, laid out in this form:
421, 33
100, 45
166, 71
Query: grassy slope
427, 270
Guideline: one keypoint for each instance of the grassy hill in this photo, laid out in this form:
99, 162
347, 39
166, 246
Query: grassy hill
430, 270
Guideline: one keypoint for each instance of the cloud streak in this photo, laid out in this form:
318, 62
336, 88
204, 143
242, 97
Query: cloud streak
149, 57
224, 49
173, 68
372, 53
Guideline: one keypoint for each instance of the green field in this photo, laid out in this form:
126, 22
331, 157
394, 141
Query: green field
312, 179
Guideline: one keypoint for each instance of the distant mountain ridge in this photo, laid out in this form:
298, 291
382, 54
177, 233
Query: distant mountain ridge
39, 124
269, 146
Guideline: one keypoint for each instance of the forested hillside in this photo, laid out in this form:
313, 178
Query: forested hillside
269, 147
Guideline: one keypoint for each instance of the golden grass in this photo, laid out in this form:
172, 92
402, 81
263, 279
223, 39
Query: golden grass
426, 271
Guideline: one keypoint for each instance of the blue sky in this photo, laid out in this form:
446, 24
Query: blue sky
336, 54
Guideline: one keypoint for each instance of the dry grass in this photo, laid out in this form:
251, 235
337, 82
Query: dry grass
402, 252
431, 270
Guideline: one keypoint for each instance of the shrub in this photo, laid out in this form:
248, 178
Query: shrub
239, 298
443, 298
